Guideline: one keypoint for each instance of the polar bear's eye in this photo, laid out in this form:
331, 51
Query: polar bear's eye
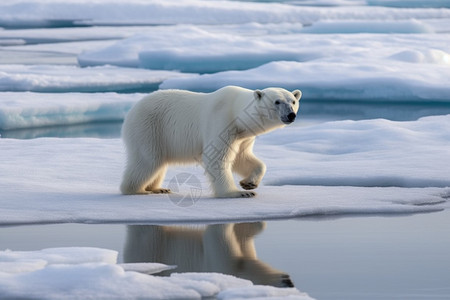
293, 103
277, 102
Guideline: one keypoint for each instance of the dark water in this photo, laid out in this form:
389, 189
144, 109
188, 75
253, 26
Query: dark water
402, 257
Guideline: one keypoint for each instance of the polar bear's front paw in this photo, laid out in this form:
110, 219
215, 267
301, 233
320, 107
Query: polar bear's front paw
248, 185
239, 194
159, 191
245, 194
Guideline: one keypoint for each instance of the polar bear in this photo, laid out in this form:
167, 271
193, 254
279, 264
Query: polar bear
222, 248
217, 129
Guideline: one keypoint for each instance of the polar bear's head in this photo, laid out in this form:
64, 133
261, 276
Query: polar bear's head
278, 106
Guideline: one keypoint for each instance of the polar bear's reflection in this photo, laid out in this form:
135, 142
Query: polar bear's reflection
224, 248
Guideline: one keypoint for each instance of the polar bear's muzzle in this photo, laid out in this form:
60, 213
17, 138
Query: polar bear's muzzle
287, 114
291, 117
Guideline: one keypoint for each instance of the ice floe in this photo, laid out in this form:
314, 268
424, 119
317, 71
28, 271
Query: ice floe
58, 13
52, 78
397, 81
26, 110
65, 35
373, 166
325, 66
81, 273
377, 26
207, 49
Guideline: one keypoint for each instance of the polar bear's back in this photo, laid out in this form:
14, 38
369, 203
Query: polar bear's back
168, 121
174, 124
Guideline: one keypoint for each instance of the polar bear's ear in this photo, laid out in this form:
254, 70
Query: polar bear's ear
258, 94
297, 94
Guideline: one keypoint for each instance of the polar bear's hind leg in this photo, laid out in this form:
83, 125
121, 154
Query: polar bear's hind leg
154, 186
143, 177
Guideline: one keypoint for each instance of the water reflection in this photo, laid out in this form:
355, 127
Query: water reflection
223, 248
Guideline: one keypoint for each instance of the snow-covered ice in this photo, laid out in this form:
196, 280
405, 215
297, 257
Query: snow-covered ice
80, 273
17, 13
368, 52
377, 26
397, 81
363, 66
373, 166
363, 153
206, 49
51, 78
27, 110
44, 36
261, 292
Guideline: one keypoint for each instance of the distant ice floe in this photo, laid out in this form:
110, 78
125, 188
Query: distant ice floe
28, 110
58, 13
368, 53
334, 168
396, 81
410, 3
365, 26
52, 78
325, 66
81, 273
61, 35
209, 49
429, 56
198, 49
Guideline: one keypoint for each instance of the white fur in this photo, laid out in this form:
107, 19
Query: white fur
217, 129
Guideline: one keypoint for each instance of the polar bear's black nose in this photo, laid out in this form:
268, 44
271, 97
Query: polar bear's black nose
291, 117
